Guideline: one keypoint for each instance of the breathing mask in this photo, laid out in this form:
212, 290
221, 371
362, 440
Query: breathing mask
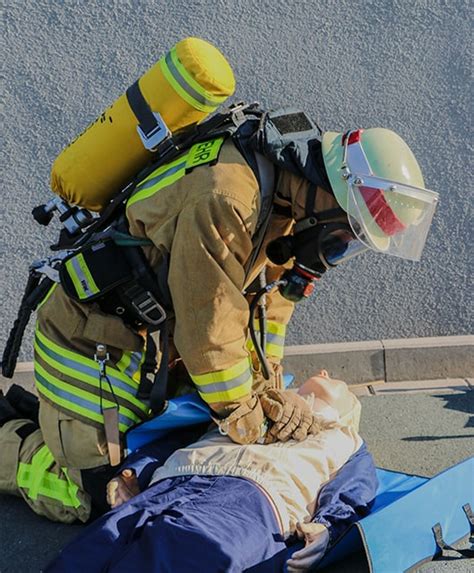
316, 247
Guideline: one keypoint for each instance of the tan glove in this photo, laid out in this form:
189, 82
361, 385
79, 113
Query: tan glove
122, 488
246, 424
291, 416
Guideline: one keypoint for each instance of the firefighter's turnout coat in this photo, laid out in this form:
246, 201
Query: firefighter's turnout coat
202, 218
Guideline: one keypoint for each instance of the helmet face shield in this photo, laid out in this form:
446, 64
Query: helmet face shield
390, 217
385, 215
338, 245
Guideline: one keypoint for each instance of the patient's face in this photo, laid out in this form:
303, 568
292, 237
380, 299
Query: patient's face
327, 391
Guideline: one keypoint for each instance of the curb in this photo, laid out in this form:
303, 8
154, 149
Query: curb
394, 360
364, 362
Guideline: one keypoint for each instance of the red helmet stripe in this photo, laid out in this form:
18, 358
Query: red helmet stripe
381, 211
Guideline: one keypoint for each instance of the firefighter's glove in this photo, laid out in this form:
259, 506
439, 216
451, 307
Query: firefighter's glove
246, 424
122, 488
316, 539
290, 416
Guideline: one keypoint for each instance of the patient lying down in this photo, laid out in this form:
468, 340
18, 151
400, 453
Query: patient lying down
213, 505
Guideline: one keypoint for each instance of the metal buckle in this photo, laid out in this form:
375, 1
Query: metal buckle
146, 306
156, 136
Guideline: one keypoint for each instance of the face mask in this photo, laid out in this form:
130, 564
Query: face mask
315, 248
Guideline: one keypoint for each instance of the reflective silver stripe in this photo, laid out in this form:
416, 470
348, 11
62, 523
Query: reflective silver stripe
81, 276
88, 371
184, 84
171, 171
225, 386
134, 365
275, 339
77, 400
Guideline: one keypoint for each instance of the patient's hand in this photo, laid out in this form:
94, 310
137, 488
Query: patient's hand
122, 488
316, 538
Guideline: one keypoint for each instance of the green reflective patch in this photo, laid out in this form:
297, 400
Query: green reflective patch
205, 152
36, 478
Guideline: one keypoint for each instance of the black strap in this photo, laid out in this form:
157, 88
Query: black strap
148, 367
26, 430
330, 214
469, 514
443, 546
160, 383
310, 205
141, 109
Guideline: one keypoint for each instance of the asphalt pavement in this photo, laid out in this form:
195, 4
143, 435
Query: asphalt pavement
420, 432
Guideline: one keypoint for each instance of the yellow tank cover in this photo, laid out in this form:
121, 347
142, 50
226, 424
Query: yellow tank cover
184, 86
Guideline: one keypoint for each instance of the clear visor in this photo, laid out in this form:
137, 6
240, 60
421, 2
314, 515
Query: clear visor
390, 217
339, 246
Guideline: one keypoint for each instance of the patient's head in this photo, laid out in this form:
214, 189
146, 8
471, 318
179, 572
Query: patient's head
334, 393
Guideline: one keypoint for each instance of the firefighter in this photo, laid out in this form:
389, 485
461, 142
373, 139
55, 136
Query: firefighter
201, 214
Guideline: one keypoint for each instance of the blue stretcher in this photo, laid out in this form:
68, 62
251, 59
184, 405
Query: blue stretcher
412, 520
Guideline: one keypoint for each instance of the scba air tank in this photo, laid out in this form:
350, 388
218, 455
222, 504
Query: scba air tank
184, 86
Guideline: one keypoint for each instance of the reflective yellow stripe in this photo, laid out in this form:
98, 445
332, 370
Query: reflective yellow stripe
276, 332
81, 277
225, 385
276, 328
77, 400
35, 478
93, 381
83, 360
186, 86
77, 371
131, 363
198, 154
162, 177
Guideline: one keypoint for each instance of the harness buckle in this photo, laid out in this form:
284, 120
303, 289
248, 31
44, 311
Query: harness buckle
147, 308
152, 139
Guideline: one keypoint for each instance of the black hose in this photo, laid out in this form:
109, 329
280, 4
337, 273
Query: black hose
266, 368
36, 290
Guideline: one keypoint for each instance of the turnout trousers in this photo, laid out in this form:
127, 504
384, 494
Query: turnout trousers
45, 466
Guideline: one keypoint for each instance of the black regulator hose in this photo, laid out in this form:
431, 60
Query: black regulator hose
36, 289
266, 368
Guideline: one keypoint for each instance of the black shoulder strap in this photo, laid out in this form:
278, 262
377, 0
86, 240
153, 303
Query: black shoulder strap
266, 176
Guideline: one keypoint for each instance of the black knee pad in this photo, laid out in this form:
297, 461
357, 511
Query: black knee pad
24, 402
7, 411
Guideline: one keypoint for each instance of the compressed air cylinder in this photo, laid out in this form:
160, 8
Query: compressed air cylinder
184, 86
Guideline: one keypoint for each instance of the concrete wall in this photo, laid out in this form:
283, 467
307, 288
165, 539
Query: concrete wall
402, 64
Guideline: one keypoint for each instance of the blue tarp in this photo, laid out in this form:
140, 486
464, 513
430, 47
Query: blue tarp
397, 535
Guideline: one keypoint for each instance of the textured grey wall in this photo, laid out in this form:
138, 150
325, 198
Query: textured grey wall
351, 63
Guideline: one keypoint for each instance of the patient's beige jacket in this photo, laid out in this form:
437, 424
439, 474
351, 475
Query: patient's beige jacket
290, 473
